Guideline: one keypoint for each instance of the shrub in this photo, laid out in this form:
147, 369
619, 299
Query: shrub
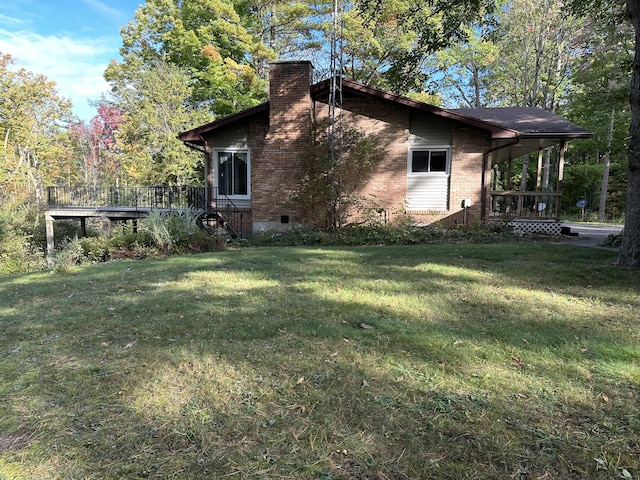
401, 233
69, 255
613, 240
20, 250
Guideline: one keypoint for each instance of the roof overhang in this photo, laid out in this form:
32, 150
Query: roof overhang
537, 129
195, 136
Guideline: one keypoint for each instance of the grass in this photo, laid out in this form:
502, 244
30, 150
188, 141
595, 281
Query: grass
427, 361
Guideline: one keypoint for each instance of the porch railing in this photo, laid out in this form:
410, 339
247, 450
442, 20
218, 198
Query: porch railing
515, 203
207, 202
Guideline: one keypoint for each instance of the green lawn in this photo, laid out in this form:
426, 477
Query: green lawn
431, 361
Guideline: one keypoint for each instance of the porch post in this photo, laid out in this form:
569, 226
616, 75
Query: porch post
560, 177
539, 177
483, 188
507, 186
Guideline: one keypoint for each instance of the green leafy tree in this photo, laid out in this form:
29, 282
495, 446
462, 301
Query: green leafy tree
466, 66
397, 38
630, 248
599, 101
206, 40
154, 101
606, 11
288, 29
33, 118
536, 47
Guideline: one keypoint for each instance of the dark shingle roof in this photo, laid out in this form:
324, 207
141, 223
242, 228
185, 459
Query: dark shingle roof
502, 123
528, 121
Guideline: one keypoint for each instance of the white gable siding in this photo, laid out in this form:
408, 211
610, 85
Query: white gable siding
235, 137
429, 130
428, 192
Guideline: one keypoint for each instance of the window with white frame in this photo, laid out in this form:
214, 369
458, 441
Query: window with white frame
428, 178
232, 173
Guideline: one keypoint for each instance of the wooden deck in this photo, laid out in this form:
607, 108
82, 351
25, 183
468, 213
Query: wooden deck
112, 203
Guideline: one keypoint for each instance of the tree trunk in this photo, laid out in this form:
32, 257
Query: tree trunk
630, 248
602, 215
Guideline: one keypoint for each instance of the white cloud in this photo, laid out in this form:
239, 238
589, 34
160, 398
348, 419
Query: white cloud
105, 9
10, 21
76, 65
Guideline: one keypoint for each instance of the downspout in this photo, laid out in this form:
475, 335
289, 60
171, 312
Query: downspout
483, 186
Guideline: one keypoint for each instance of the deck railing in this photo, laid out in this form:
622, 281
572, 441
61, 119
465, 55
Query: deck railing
515, 203
159, 197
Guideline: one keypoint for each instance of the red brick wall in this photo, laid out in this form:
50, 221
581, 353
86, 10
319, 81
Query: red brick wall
387, 187
466, 172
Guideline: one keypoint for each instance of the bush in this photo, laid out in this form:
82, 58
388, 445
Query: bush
401, 233
613, 240
20, 250
69, 255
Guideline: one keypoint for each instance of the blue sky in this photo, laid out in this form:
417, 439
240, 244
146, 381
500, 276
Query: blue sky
69, 41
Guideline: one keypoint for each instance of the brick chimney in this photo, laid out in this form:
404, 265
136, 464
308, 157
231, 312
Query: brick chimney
290, 113
289, 97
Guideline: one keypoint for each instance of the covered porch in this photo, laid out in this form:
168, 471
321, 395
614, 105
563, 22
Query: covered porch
524, 171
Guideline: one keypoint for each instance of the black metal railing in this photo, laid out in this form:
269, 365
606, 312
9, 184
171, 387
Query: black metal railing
204, 201
514, 203
157, 197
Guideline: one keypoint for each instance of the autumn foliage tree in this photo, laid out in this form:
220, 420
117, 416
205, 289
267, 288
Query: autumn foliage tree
97, 158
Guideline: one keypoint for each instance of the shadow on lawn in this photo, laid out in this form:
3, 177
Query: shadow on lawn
157, 369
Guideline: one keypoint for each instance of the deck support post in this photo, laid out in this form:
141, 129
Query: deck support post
51, 248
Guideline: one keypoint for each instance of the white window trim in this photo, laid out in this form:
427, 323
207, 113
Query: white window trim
217, 150
422, 148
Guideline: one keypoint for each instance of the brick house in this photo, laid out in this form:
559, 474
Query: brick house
439, 164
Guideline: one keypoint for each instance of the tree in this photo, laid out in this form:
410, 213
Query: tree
630, 248
328, 188
154, 101
33, 118
207, 42
599, 101
96, 148
536, 50
465, 67
406, 35
288, 29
